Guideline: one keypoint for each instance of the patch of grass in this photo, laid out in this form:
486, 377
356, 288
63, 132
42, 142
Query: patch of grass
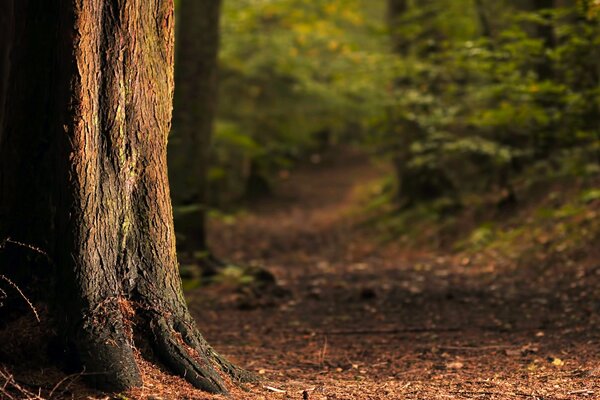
568, 224
234, 275
553, 218
590, 195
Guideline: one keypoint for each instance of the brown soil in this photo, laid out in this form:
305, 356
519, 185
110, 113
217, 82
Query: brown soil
358, 320
370, 322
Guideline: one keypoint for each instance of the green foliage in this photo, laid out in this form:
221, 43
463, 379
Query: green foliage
564, 224
295, 75
590, 195
480, 110
475, 96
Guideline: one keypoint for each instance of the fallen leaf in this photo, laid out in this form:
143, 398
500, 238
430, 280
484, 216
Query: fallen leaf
455, 365
558, 362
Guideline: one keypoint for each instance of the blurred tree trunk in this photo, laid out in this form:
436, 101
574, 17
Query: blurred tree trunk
484, 21
395, 11
545, 140
425, 183
83, 177
545, 32
194, 115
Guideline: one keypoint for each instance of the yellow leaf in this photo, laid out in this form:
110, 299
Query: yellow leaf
331, 9
558, 362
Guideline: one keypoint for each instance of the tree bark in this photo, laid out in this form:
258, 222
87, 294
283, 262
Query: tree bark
195, 110
83, 176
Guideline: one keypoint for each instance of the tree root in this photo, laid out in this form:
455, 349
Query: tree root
193, 338
195, 368
105, 346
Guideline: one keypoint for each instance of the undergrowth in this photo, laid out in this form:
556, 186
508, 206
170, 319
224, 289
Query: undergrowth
557, 217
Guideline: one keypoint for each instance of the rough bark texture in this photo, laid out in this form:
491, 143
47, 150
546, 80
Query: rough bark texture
83, 176
196, 102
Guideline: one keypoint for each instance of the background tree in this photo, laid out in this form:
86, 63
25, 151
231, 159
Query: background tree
414, 184
83, 175
195, 110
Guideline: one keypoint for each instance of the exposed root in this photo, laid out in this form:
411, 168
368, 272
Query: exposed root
190, 363
194, 339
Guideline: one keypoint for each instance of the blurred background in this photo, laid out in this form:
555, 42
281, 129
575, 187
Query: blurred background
475, 112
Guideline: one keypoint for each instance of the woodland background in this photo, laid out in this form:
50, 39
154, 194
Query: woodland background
396, 199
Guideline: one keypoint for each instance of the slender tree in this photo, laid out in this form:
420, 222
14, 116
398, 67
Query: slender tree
414, 185
194, 114
545, 32
484, 21
396, 9
86, 89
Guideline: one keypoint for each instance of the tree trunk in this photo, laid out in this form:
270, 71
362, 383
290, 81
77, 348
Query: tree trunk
545, 138
484, 21
545, 32
413, 185
83, 176
195, 110
396, 9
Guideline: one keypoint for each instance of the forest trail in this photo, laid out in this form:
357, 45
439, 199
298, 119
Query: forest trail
365, 321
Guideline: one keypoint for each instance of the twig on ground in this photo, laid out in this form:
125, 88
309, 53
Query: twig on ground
586, 392
73, 378
10, 383
323, 352
14, 285
36, 250
489, 393
272, 389
26, 246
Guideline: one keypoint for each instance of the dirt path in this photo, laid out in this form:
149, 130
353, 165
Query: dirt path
363, 322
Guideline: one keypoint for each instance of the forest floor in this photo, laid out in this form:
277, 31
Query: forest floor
367, 321
352, 318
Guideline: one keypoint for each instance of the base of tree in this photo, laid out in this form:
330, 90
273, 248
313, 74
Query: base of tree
109, 348
174, 340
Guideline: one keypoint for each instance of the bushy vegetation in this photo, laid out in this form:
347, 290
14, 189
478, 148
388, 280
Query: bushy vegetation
479, 108
462, 96
295, 77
